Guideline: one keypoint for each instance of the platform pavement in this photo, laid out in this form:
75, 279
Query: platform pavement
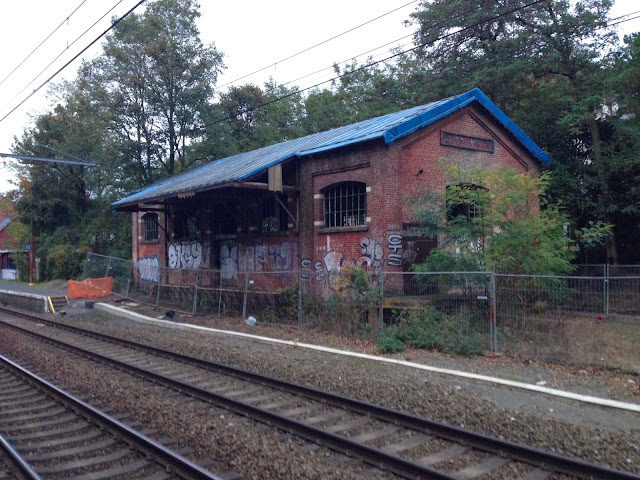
14, 286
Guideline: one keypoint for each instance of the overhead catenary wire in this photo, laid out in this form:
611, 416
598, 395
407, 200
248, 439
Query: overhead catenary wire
42, 42
32, 158
459, 14
404, 37
479, 62
395, 55
317, 44
75, 57
373, 63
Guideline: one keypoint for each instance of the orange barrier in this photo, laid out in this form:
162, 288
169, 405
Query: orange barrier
90, 288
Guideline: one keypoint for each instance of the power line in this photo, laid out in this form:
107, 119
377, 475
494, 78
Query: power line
74, 58
623, 18
337, 77
317, 44
42, 42
442, 73
444, 22
31, 158
610, 23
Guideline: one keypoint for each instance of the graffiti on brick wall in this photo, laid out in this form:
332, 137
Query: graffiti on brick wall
410, 231
305, 269
261, 257
372, 254
330, 270
255, 258
394, 244
148, 269
229, 261
409, 257
187, 255
335, 263
320, 275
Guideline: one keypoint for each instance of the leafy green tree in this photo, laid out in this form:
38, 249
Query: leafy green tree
324, 111
621, 147
548, 65
491, 220
60, 204
360, 92
248, 117
52, 195
156, 77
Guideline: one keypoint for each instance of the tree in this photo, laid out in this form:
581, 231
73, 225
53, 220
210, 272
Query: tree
548, 66
359, 92
156, 76
54, 201
490, 220
249, 117
621, 146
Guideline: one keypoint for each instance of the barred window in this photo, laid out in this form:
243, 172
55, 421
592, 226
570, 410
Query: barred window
465, 200
273, 218
186, 228
150, 226
185, 222
345, 204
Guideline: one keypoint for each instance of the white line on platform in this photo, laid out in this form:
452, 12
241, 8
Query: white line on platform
473, 376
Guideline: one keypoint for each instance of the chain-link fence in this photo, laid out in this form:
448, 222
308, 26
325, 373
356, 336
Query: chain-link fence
463, 300
100, 266
587, 319
577, 320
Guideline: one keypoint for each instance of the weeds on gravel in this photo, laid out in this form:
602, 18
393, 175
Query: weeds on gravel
350, 309
429, 328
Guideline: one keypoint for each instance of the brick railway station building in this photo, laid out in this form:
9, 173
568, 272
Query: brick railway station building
320, 204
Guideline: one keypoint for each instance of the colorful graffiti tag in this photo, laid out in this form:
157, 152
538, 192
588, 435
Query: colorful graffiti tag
261, 257
188, 255
372, 254
149, 269
229, 261
394, 244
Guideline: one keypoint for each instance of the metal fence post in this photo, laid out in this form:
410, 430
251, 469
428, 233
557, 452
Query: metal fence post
195, 292
106, 274
158, 291
246, 292
300, 298
381, 309
129, 280
493, 331
220, 292
84, 268
606, 291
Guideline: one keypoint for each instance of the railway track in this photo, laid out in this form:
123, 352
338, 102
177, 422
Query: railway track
48, 433
12, 465
407, 445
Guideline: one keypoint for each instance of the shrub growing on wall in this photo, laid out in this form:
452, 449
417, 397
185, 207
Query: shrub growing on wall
498, 220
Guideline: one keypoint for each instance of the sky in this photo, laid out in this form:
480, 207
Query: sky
254, 36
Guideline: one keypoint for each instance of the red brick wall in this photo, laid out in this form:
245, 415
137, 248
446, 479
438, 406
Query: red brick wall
147, 254
391, 173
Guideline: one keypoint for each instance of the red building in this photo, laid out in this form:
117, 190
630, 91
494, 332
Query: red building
323, 203
8, 246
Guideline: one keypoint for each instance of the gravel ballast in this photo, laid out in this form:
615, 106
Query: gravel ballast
597, 434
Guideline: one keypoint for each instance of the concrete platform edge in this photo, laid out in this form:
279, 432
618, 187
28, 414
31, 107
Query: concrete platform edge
604, 402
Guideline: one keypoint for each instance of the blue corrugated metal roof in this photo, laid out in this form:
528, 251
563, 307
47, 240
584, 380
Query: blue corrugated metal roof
389, 127
4, 222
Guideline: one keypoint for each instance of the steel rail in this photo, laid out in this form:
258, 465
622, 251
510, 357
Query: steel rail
371, 455
169, 459
529, 455
26, 471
